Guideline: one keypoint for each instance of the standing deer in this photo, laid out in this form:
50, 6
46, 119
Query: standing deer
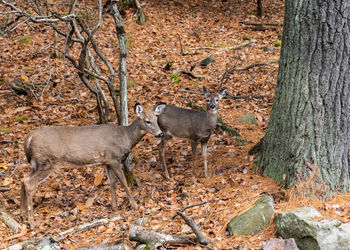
108, 144
190, 124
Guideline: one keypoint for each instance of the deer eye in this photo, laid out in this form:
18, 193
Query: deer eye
216, 99
148, 122
208, 100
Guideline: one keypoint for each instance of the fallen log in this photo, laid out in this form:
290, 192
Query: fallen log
145, 236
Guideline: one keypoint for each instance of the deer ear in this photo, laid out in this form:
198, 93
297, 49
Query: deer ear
159, 109
205, 91
138, 109
223, 92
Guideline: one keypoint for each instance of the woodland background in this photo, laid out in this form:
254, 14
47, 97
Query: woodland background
57, 97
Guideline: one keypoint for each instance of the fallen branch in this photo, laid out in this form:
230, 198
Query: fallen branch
228, 96
195, 228
250, 42
183, 53
7, 219
140, 234
259, 24
229, 71
62, 235
120, 244
195, 205
187, 72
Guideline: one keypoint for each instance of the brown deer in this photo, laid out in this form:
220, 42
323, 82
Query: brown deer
108, 144
190, 124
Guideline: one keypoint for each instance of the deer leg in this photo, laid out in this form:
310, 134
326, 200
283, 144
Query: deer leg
161, 148
204, 154
118, 171
111, 179
29, 184
194, 158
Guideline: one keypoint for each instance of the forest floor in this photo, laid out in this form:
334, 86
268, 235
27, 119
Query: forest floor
75, 196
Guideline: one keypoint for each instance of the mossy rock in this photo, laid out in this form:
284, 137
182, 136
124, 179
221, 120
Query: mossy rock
253, 220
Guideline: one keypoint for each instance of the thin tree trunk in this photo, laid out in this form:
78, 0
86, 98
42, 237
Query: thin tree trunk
310, 122
118, 19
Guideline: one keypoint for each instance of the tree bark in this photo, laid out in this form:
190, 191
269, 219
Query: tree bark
309, 122
123, 86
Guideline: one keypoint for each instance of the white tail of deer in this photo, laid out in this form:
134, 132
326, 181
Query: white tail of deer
108, 144
190, 124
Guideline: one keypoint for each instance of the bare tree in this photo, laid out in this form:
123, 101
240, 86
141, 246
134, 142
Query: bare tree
78, 28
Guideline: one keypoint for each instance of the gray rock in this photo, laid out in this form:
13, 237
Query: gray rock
346, 228
248, 118
206, 61
274, 244
253, 220
308, 233
267, 49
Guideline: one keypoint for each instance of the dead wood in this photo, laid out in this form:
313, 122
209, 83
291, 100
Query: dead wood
266, 24
118, 245
188, 72
245, 44
228, 95
7, 219
183, 53
195, 228
62, 235
258, 64
142, 235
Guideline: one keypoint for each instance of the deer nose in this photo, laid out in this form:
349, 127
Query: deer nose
212, 106
160, 134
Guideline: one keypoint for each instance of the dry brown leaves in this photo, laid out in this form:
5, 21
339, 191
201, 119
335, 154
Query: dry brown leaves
75, 196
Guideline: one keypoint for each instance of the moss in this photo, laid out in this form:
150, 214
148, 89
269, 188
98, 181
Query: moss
20, 119
277, 43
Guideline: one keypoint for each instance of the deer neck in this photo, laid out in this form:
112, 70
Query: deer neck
212, 117
135, 132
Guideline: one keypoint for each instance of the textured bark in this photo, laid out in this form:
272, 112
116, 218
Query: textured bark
309, 121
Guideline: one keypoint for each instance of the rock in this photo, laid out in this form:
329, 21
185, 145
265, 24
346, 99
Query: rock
308, 233
267, 49
206, 61
346, 228
253, 220
273, 244
248, 118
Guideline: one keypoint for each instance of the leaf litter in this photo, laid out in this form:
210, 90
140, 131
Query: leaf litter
72, 197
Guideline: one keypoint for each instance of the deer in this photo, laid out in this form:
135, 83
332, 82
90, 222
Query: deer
193, 125
48, 148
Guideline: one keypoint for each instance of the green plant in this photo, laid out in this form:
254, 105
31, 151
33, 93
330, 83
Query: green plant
24, 40
174, 77
246, 38
279, 35
5, 130
277, 43
20, 119
130, 83
221, 46
130, 43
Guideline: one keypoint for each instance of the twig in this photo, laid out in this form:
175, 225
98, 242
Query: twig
7, 219
187, 72
258, 64
195, 205
182, 51
261, 24
224, 48
195, 228
4, 189
63, 234
228, 95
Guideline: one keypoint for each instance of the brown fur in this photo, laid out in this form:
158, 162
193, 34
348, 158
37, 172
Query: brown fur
189, 124
47, 148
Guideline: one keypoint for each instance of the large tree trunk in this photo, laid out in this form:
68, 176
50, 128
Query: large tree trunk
310, 123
